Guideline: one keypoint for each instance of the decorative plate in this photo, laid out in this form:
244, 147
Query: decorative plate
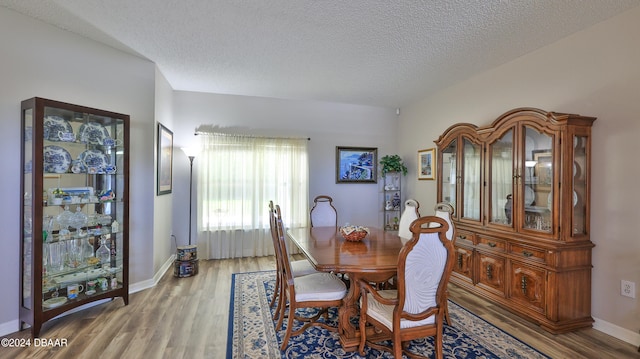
54, 302
56, 159
93, 132
575, 198
94, 158
529, 196
55, 126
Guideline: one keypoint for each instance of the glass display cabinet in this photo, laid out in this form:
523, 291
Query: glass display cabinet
75, 210
520, 189
392, 205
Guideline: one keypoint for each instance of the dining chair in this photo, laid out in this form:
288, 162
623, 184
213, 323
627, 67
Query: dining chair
444, 210
416, 308
318, 290
410, 214
323, 213
299, 267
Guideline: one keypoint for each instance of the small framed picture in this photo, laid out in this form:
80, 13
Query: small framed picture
165, 160
356, 165
427, 164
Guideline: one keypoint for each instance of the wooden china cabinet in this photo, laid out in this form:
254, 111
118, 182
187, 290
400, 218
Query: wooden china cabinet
520, 189
74, 210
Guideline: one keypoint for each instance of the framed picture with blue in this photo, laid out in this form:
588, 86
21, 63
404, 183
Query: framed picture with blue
165, 160
356, 164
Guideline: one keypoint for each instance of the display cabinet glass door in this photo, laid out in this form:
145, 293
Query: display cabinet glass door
450, 174
580, 174
537, 177
471, 181
501, 189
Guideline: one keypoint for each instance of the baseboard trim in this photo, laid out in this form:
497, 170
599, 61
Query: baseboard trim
13, 326
615, 331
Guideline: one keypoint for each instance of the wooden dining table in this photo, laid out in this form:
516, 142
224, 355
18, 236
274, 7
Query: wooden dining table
374, 259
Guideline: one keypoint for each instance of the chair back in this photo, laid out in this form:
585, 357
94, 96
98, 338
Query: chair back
444, 210
274, 234
424, 267
323, 213
409, 215
284, 253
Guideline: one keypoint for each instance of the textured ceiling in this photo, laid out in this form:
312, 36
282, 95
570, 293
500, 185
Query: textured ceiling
371, 52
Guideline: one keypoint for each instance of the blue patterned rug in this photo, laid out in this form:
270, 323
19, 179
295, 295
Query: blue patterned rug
252, 332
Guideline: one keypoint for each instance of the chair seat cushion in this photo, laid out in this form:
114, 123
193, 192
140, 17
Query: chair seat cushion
384, 313
302, 267
319, 286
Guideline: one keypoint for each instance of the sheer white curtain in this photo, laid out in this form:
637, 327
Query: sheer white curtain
237, 177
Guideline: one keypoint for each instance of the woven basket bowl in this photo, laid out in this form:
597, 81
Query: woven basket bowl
355, 236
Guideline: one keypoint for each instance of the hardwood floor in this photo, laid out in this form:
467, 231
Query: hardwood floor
188, 318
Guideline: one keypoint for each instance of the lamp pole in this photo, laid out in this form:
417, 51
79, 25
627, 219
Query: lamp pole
191, 153
190, 192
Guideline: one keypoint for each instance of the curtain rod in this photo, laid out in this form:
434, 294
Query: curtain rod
250, 136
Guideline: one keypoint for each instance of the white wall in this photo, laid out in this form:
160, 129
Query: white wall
44, 61
595, 72
163, 246
327, 124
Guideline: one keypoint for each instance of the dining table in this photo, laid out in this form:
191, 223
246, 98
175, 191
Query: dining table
373, 259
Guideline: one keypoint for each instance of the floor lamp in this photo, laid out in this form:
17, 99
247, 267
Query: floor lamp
187, 257
191, 153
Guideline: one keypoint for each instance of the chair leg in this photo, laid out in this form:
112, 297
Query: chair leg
363, 333
397, 346
276, 289
287, 335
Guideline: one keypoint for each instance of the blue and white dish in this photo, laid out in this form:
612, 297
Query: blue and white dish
57, 128
56, 159
94, 158
93, 133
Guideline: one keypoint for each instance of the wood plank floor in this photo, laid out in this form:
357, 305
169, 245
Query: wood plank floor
188, 318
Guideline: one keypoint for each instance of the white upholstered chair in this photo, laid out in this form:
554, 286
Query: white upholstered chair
323, 213
317, 290
409, 215
299, 268
444, 210
416, 308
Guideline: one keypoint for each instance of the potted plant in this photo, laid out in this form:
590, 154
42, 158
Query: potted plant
392, 163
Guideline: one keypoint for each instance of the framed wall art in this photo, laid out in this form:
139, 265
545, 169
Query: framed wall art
427, 164
165, 160
356, 165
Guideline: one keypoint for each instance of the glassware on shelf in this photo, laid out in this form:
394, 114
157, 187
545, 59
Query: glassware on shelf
103, 253
87, 251
57, 252
64, 218
74, 253
78, 220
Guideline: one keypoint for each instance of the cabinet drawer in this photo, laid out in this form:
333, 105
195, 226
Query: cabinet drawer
528, 252
464, 237
493, 244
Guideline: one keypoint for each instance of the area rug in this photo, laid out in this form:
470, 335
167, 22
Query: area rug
252, 332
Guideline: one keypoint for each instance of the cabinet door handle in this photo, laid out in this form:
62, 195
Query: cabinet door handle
489, 271
460, 260
462, 237
491, 244
523, 284
527, 254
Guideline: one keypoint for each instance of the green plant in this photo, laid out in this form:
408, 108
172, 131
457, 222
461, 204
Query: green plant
392, 163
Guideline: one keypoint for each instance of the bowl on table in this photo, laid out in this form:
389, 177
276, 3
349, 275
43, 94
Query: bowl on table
354, 233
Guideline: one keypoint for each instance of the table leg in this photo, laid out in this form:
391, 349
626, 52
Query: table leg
349, 334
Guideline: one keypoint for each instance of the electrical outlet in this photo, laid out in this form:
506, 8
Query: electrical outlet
627, 289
